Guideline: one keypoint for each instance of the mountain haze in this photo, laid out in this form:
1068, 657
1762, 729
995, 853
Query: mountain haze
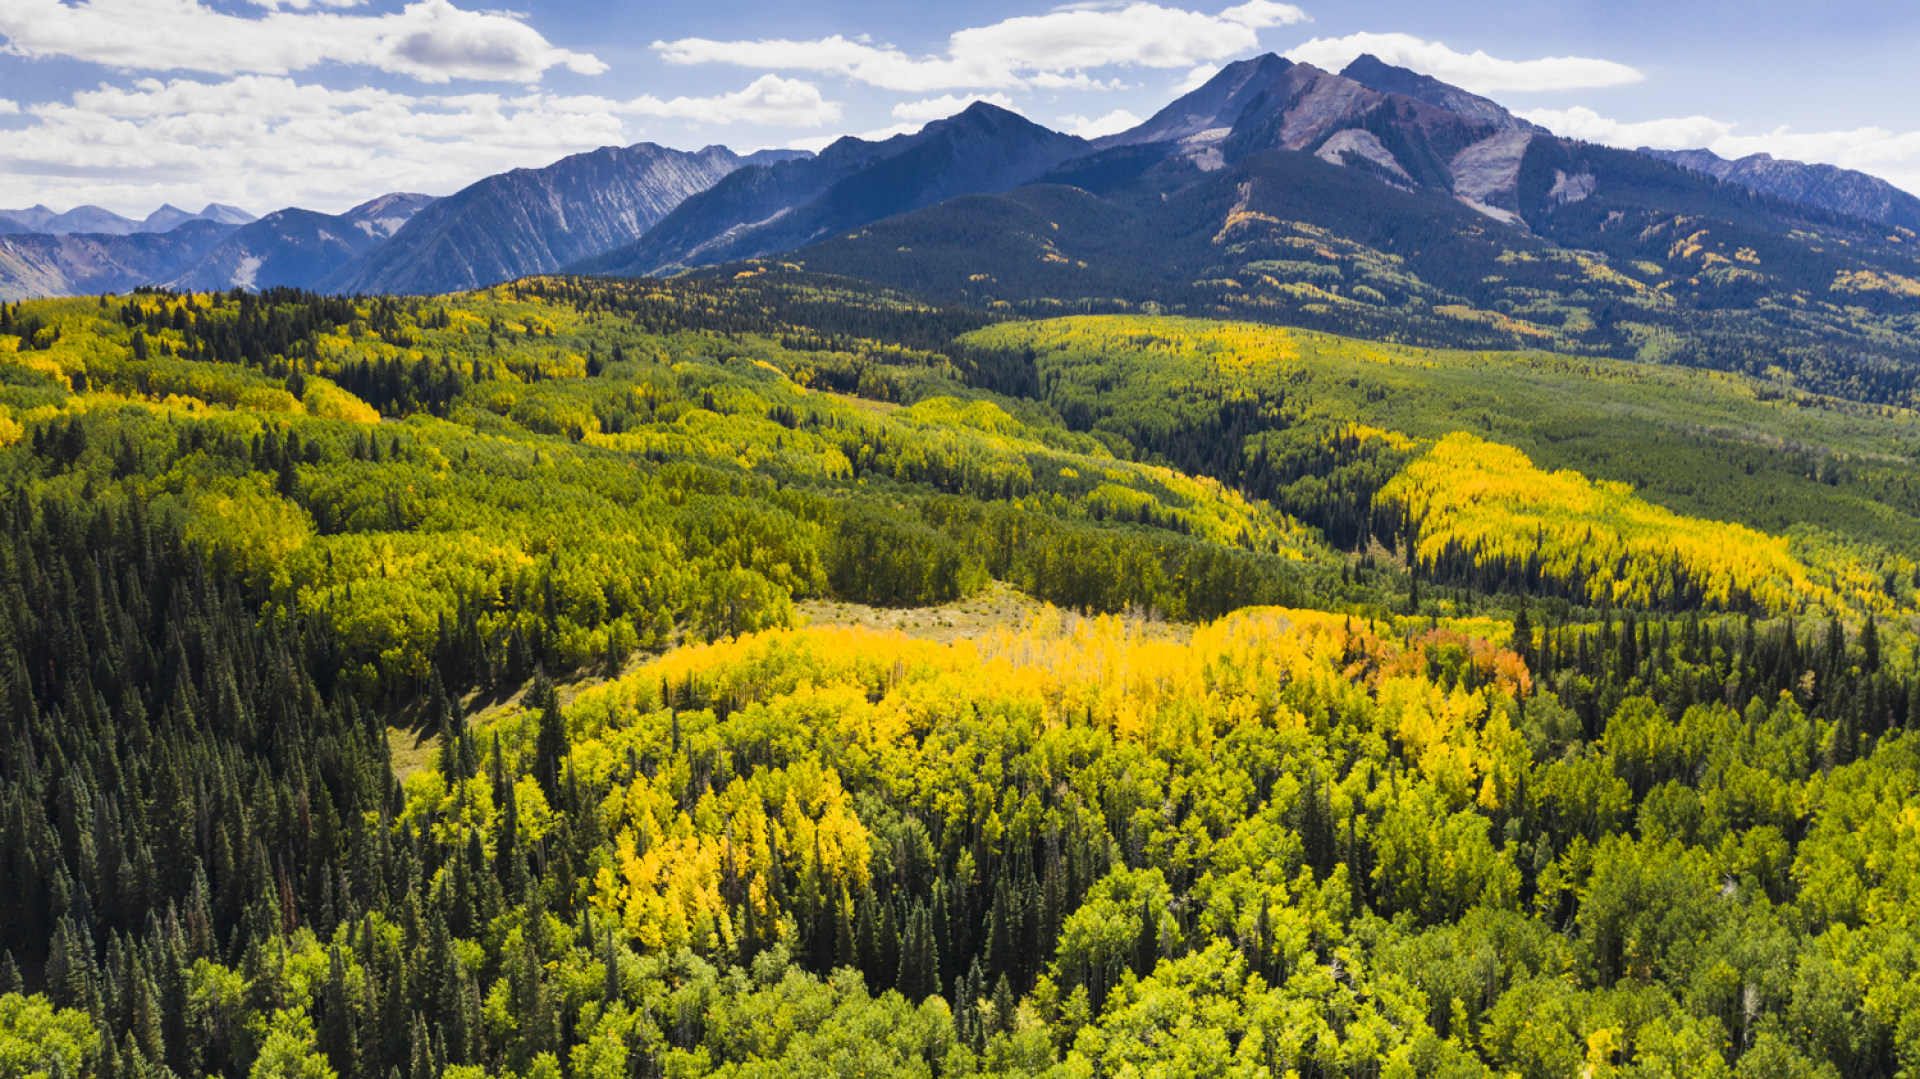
93, 220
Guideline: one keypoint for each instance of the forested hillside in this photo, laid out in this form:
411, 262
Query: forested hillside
418, 689
1648, 267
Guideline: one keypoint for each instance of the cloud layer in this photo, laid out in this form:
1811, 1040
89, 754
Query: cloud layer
264, 142
1475, 71
430, 40
1048, 52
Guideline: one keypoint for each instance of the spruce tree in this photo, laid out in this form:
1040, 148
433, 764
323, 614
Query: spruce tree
551, 744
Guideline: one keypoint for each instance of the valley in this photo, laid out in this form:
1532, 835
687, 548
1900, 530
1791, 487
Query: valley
1019, 697
1333, 579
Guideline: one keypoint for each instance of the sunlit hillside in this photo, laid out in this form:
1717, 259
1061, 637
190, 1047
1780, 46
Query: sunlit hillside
785, 676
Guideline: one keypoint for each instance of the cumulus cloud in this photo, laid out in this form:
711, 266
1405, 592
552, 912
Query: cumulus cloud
1892, 156
1475, 71
939, 108
266, 141
769, 100
1674, 133
8, 107
430, 40
1111, 124
1050, 51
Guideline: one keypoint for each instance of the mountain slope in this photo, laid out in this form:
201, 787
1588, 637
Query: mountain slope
1828, 187
757, 211
297, 248
746, 199
535, 220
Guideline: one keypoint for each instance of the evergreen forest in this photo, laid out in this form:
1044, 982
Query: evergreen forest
778, 675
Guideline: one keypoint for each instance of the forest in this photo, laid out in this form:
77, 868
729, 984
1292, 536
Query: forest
474, 686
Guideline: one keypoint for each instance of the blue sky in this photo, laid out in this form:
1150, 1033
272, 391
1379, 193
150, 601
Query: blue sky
325, 103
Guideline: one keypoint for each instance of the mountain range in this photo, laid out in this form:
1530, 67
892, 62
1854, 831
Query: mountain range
1281, 192
298, 248
97, 221
1276, 190
769, 208
538, 220
500, 228
1826, 186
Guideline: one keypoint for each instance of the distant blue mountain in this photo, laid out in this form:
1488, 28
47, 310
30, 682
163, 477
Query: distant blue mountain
785, 205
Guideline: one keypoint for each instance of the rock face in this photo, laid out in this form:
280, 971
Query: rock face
1486, 175
1826, 187
531, 221
297, 248
759, 210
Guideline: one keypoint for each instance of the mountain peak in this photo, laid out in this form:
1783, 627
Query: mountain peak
1214, 106
226, 215
981, 115
1376, 74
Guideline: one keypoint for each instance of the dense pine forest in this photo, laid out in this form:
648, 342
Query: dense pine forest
480, 686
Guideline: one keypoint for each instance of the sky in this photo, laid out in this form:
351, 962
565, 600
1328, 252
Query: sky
324, 104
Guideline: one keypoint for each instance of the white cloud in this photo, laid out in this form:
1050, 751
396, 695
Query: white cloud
1676, 133
1050, 51
1260, 14
1475, 71
8, 107
266, 142
430, 40
1111, 124
939, 108
769, 100
1892, 156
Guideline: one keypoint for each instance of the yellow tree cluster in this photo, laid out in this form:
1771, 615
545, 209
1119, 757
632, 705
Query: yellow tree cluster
1486, 502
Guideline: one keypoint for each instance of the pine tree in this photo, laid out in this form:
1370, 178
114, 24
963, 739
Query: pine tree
550, 744
1522, 640
1146, 945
